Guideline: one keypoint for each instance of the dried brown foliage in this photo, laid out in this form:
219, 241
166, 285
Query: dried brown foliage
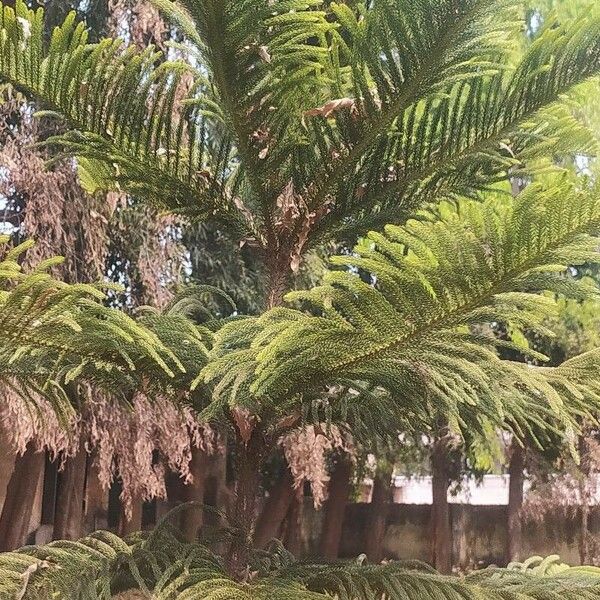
306, 450
58, 214
134, 442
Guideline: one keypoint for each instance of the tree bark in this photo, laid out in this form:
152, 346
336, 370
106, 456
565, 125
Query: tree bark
335, 507
584, 500
293, 526
379, 509
191, 520
584, 551
21, 495
96, 499
249, 457
68, 519
516, 472
275, 510
127, 526
441, 528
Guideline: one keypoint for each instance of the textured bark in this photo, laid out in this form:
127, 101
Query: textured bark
381, 502
127, 526
293, 526
441, 527
68, 519
335, 507
249, 457
21, 495
275, 510
96, 500
516, 471
191, 520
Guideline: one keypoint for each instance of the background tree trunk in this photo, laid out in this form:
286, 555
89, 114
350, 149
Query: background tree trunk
68, 519
96, 499
379, 508
127, 526
441, 528
293, 526
18, 506
584, 499
335, 507
275, 510
191, 520
516, 473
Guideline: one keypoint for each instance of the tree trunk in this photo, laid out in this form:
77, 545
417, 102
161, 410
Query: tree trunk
275, 510
248, 461
584, 550
127, 526
584, 500
68, 519
96, 499
381, 503
7, 462
293, 526
441, 528
516, 474
15, 521
335, 507
191, 520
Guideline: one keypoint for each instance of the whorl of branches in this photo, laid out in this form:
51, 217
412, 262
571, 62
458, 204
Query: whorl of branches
407, 325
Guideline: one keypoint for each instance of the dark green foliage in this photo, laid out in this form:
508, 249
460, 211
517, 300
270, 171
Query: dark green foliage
164, 568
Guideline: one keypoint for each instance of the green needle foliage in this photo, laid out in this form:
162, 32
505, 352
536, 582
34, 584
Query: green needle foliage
164, 568
415, 327
292, 122
366, 109
55, 333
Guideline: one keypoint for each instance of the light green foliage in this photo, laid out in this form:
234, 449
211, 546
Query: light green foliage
415, 331
164, 568
54, 333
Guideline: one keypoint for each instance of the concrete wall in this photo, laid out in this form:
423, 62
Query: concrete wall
479, 534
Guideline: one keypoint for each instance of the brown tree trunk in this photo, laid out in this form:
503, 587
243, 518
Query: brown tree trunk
216, 492
381, 503
441, 528
516, 474
584, 550
584, 500
249, 457
21, 495
335, 507
275, 510
96, 499
293, 526
191, 520
68, 519
127, 526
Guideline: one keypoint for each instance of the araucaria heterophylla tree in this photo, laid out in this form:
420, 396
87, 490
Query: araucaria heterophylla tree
291, 123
